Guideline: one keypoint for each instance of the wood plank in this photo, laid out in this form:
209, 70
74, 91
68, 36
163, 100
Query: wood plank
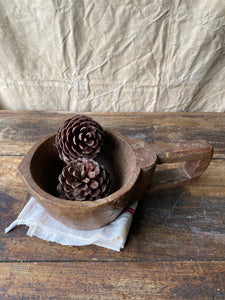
213, 180
9, 174
21, 130
117, 280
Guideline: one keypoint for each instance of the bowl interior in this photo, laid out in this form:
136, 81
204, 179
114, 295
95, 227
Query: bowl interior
117, 156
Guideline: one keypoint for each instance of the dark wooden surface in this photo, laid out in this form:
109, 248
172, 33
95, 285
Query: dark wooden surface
176, 244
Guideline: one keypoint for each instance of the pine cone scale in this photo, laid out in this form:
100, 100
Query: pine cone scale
94, 184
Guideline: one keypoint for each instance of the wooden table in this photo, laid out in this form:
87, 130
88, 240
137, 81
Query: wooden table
176, 244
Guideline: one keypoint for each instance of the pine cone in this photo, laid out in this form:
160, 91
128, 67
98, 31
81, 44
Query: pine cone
83, 179
79, 136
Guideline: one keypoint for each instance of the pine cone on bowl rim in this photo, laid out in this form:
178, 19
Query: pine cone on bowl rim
79, 136
84, 180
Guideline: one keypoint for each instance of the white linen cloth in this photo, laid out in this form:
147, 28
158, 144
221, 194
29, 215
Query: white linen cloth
112, 236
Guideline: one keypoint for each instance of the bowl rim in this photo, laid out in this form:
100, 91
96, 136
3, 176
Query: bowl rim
40, 194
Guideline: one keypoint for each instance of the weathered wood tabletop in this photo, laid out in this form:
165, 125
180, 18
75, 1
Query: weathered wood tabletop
176, 244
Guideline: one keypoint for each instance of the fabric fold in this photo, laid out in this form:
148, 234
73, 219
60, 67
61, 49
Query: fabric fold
112, 236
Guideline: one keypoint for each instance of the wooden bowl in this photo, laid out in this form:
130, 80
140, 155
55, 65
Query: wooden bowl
131, 163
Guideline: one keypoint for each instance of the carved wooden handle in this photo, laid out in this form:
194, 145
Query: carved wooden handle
196, 156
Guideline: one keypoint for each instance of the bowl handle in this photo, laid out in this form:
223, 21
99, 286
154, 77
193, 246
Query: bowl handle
195, 156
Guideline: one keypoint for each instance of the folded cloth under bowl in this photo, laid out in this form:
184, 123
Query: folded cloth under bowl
112, 236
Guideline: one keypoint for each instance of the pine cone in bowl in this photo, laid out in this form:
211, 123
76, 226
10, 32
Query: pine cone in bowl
79, 136
83, 179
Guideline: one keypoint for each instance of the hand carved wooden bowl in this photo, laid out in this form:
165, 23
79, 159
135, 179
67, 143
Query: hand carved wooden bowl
131, 163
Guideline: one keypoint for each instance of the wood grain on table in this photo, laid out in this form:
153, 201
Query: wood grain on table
176, 244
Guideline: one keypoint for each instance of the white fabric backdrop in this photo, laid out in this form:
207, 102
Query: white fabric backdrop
133, 55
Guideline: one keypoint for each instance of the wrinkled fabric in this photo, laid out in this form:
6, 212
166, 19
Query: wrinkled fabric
137, 55
112, 236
